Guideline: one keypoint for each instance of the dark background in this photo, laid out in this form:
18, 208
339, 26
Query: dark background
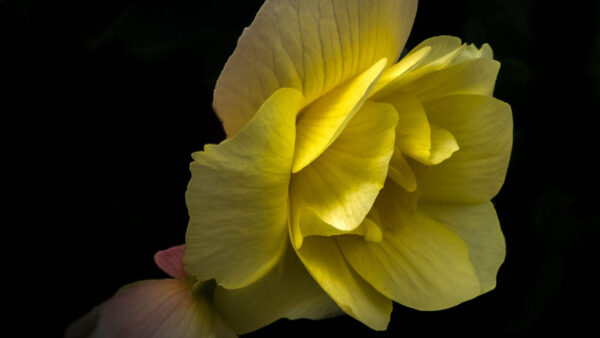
126, 90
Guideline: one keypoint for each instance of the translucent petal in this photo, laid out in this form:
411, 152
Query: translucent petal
482, 127
478, 226
159, 308
309, 45
341, 185
324, 261
238, 197
287, 291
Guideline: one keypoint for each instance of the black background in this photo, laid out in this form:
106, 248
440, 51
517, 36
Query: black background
126, 88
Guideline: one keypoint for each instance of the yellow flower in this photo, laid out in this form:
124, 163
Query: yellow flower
174, 307
348, 180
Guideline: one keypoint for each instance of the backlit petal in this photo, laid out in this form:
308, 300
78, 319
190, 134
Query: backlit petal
159, 308
238, 197
325, 262
341, 185
287, 291
309, 45
483, 128
478, 226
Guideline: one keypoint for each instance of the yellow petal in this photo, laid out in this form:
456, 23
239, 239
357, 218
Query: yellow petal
357, 298
442, 66
287, 291
419, 263
341, 185
483, 128
476, 76
478, 226
406, 64
159, 308
401, 172
322, 121
430, 55
415, 136
309, 45
238, 197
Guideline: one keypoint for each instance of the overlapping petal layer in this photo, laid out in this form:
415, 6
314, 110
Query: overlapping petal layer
324, 260
238, 197
478, 226
419, 263
287, 291
322, 121
310, 45
482, 126
336, 191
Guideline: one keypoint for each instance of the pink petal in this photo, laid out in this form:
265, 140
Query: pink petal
171, 262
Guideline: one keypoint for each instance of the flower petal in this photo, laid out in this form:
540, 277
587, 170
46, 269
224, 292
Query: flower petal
478, 226
309, 45
419, 263
238, 197
287, 291
322, 121
442, 66
482, 127
341, 185
171, 262
415, 136
324, 261
401, 172
476, 77
159, 308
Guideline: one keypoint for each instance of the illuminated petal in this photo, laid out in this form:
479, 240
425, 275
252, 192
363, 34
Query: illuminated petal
419, 263
238, 197
478, 226
171, 262
287, 291
483, 128
325, 262
309, 45
341, 185
159, 308
323, 120
416, 137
